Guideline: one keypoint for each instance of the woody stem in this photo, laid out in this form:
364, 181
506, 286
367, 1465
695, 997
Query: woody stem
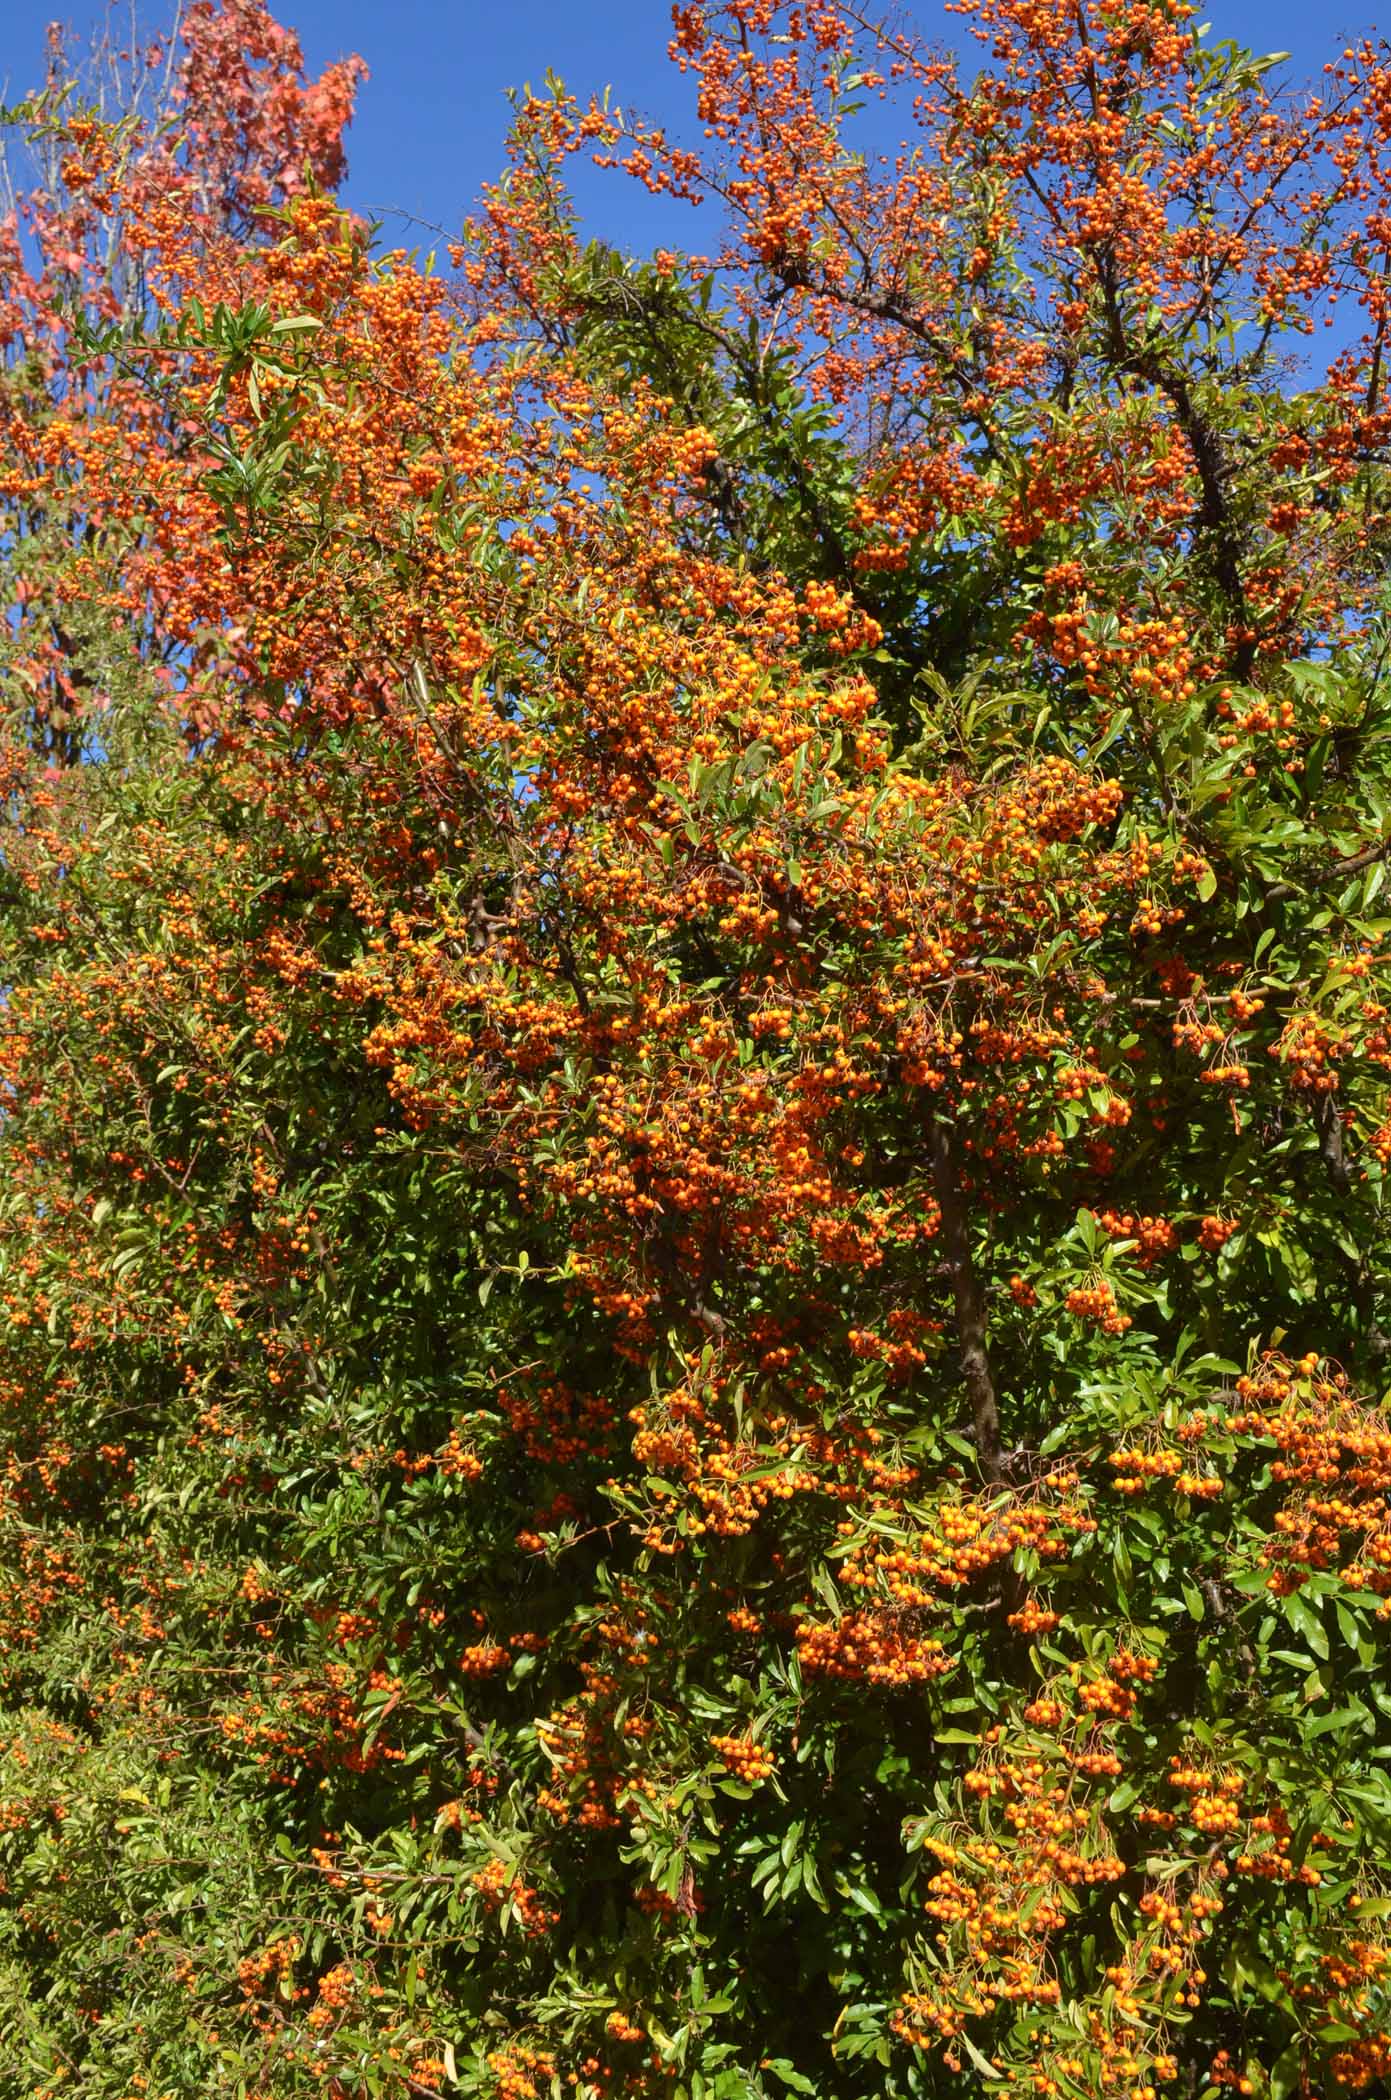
971, 1322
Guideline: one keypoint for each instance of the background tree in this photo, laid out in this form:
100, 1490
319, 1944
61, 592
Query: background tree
132, 174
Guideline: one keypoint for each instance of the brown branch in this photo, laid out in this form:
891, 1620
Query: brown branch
1335, 870
971, 1320
1333, 1153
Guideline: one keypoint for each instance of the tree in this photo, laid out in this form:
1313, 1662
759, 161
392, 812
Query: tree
695, 1106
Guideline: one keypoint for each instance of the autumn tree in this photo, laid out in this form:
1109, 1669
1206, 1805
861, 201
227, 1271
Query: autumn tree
694, 1062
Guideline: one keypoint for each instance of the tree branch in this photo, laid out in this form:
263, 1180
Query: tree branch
971, 1321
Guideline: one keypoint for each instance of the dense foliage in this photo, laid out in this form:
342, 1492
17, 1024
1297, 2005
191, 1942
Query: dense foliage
694, 1080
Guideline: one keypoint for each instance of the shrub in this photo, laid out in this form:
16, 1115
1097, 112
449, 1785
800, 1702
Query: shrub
695, 1065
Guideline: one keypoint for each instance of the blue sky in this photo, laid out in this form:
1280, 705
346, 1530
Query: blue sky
431, 118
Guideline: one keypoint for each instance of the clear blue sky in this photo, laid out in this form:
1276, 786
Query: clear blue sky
431, 118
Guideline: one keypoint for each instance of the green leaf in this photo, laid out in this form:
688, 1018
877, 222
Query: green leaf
1306, 1621
1287, 2074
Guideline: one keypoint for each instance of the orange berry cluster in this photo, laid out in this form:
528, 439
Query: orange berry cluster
497, 1886
874, 1646
747, 1760
1156, 1237
522, 2074
1097, 1302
